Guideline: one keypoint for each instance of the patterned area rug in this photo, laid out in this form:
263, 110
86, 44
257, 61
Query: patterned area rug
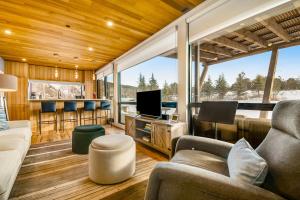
52, 171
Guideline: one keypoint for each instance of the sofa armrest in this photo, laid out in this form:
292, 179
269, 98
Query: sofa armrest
217, 147
19, 124
172, 181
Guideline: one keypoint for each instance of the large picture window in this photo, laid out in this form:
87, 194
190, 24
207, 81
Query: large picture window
157, 73
105, 87
286, 84
55, 90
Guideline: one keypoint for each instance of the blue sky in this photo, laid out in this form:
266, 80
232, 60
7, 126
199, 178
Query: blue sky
166, 68
288, 65
163, 69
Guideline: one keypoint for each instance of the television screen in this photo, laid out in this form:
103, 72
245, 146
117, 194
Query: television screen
149, 103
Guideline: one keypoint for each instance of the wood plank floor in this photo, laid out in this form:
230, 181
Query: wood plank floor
51, 171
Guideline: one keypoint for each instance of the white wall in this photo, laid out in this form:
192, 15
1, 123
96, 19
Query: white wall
1, 65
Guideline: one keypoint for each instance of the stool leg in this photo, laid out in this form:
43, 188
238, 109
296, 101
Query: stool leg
55, 121
63, 121
93, 113
80, 113
40, 122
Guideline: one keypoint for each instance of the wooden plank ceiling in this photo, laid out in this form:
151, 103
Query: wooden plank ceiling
276, 32
60, 32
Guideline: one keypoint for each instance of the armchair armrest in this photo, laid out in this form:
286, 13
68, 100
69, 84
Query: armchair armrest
172, 181
209, 145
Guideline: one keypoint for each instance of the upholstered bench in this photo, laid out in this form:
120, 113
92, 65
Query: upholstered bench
111, 159
82, 137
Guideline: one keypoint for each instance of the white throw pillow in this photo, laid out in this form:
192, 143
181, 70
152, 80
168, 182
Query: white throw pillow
245, 165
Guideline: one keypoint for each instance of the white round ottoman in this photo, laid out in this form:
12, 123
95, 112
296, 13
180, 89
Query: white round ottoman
111, 158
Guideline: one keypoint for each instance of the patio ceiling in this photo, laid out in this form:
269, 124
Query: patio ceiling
276, 32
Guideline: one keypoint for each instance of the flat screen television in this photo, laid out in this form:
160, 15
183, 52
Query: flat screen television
149, 103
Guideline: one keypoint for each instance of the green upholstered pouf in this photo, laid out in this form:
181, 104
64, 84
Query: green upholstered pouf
82, 137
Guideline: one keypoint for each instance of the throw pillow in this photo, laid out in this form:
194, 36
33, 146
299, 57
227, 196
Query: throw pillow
245, 165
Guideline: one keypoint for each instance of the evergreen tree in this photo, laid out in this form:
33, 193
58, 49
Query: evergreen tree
291, 84
259, 83
165, 91
141, 84
240, 85
173, 88
221, 86
153, 85
208, 88
277, 86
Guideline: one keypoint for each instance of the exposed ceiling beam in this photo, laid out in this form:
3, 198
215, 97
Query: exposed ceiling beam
208, 56
277, 29
231, 44
257, 51
251, 37
216, 50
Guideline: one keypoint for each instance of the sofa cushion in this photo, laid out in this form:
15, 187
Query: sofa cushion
8, 170
202, 160
18, 144
245, 164
19, 124
22, 133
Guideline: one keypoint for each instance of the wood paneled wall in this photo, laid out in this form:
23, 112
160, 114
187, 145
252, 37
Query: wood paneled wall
17, 102
37, 72
90, 84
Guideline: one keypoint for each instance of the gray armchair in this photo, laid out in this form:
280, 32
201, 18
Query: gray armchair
198, 169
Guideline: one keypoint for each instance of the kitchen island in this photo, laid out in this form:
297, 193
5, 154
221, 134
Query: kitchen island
35, 106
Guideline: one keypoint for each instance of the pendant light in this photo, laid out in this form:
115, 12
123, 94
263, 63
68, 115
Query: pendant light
56, 72
76, 72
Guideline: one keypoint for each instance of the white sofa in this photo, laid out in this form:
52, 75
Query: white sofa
14, 144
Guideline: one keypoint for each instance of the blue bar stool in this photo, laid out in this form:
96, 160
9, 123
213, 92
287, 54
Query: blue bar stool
89, 106
69, 107
106, 106
48, 107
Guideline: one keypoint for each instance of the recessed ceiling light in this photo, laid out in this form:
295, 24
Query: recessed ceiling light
110, 23
7, 32
91, 49
76, 66
24, 59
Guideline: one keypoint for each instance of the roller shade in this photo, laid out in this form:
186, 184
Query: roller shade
162, 43
104, 71
225, 13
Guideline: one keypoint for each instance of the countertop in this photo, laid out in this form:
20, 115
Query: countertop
38, 100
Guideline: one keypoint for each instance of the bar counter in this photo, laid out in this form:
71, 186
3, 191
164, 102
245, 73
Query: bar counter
38, 100
35, 106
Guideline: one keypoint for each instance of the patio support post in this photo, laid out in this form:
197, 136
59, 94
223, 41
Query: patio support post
270, 80
203, 76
